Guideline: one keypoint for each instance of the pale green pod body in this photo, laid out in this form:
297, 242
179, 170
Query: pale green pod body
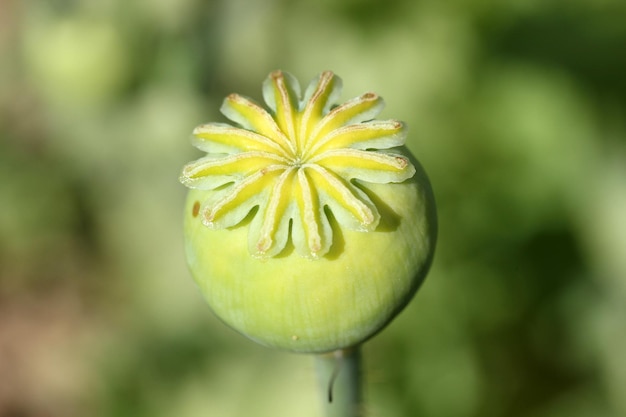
320, 305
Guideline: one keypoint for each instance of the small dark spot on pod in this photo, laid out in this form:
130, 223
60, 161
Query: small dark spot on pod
196, 209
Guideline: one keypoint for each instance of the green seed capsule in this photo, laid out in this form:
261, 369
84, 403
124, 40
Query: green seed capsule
307, 228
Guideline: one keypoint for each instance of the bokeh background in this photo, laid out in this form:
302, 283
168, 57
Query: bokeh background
517, 109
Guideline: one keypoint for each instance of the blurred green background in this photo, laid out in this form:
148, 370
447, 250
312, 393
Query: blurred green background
517, 109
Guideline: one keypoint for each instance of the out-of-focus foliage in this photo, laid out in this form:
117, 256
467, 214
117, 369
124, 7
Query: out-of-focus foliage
517, 110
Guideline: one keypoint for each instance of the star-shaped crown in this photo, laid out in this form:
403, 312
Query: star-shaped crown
296, 164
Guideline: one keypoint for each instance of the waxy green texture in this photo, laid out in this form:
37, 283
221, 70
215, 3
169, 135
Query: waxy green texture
309, 226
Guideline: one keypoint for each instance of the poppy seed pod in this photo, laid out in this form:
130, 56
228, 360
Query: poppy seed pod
308, 226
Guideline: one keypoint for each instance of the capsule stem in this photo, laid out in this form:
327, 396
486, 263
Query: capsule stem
340, 380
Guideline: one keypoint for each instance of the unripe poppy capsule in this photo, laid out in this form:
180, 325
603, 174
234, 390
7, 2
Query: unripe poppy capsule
308, 227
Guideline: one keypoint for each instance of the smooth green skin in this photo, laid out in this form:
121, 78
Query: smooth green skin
314, 306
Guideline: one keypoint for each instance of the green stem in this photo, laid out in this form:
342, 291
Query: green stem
339, 375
